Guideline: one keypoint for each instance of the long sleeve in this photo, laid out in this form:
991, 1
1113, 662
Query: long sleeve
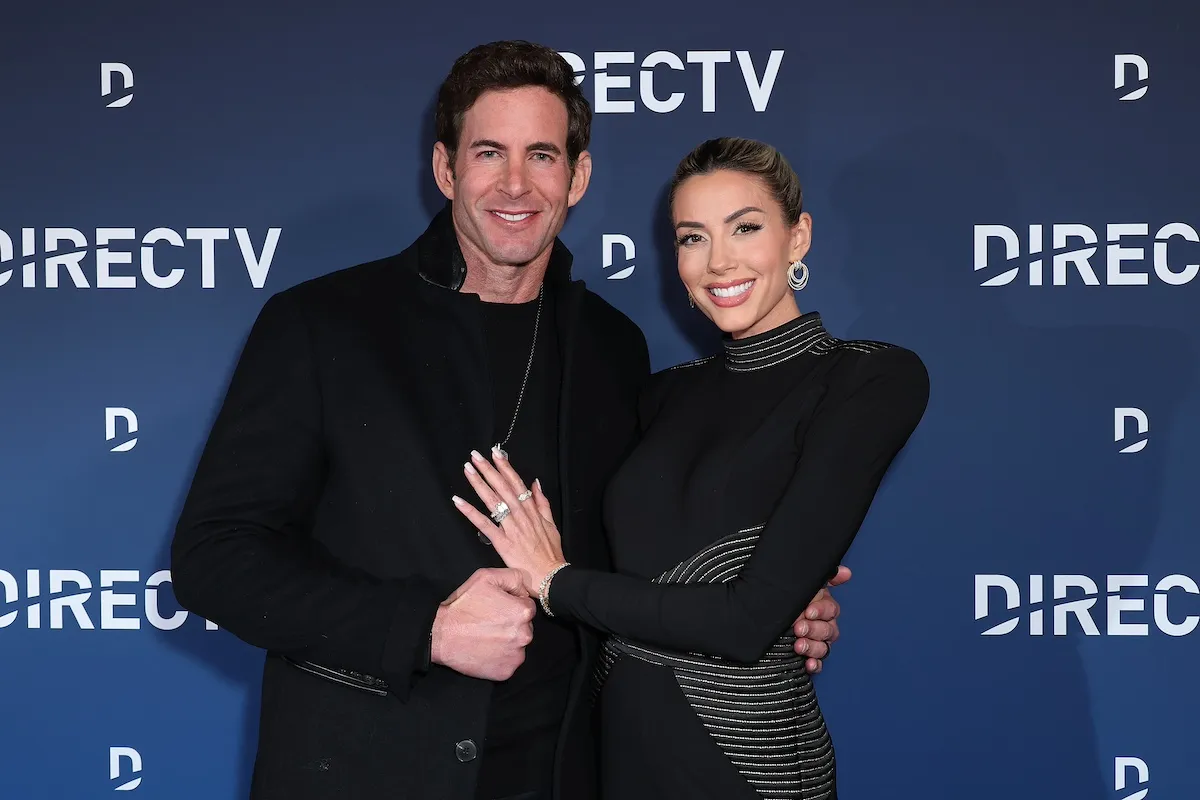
847, 449
242, 556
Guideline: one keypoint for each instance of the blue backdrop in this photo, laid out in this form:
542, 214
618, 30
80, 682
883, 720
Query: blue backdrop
1008, 188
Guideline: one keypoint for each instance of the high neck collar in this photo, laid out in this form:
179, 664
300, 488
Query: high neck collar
440, 258
781, 343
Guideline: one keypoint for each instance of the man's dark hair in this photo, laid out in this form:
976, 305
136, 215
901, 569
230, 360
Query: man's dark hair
510, 65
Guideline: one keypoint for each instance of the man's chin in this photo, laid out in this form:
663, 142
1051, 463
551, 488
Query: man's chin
515, 258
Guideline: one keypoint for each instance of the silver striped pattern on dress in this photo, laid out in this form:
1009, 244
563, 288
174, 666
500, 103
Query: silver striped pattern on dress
805, 334
763, 716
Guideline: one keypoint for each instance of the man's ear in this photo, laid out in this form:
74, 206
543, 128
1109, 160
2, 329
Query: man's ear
443, 170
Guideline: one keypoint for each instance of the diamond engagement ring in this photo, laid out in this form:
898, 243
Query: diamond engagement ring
525, 495
500, 513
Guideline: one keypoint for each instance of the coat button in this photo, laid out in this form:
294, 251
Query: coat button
466, 750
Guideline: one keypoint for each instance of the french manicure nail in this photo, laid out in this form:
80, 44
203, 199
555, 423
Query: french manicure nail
470, 469
475, 455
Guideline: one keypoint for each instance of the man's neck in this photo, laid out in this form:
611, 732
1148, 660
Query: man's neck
501, 283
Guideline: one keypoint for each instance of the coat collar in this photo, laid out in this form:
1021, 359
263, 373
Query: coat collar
440, 260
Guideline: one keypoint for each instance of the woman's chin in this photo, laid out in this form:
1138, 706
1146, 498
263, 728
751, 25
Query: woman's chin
732, 320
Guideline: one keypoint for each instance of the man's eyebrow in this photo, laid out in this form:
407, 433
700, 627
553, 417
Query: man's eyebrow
492, 144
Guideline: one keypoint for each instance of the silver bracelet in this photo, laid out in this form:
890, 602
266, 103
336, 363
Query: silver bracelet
544, 589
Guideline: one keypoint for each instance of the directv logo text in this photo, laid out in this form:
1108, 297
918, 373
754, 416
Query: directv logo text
111, 415
70, 590
109, 268
614, 92
1073, 246
1121, 64
611, 240
115, 756
1124, 616
1143, 428
1124, 765
107, 71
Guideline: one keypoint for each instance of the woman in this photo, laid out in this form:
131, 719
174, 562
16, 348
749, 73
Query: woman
756, 467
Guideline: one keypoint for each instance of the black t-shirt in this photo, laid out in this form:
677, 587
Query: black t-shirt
527, 710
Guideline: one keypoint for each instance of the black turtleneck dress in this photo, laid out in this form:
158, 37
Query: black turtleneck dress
755, 471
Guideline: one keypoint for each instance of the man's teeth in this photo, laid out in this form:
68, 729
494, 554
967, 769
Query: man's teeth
513, 217
732, 291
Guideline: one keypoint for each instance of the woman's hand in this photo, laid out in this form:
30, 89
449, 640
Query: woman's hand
526, 538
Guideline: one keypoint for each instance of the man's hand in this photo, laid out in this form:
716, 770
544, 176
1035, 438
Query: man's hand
482, 629
817, 628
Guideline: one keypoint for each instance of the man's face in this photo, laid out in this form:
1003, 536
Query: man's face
511, 184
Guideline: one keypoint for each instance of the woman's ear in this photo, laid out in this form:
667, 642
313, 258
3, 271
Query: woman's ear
801, 238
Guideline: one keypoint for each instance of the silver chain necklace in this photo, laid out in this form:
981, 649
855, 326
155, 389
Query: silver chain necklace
528, 367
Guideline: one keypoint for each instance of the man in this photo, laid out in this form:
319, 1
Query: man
403, 659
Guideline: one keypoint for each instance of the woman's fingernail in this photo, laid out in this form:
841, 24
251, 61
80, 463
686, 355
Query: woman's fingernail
470, 470
496, 449
456, 500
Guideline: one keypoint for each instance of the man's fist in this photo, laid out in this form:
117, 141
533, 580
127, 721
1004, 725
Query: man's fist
482, 628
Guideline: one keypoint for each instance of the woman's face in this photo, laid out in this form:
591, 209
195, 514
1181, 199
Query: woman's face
734, 248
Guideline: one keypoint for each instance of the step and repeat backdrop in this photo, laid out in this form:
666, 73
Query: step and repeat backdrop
1007, 188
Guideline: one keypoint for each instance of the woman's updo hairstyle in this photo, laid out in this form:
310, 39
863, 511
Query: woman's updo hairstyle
750, 157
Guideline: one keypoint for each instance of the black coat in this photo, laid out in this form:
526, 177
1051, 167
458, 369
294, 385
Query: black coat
319, 525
